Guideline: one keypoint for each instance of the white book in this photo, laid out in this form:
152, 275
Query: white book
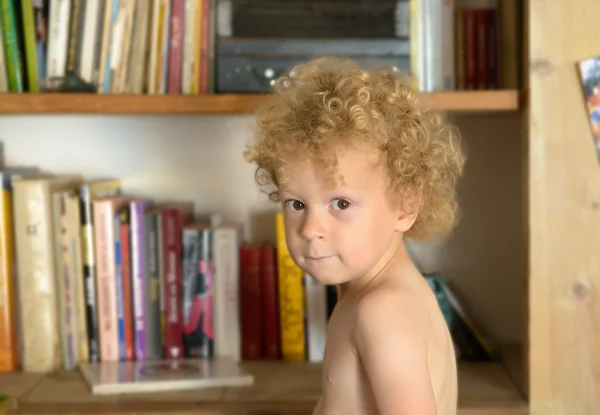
227, 325
58, 33
148, 376
89, 40
438, 45
316, 318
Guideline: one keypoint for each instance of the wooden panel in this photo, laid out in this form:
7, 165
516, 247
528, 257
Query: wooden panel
278, 385
471, 101
564, 213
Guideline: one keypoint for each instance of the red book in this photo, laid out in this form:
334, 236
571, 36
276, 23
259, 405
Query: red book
173, 219
470, 50
250, 303
269, 303
177, 31
127, 290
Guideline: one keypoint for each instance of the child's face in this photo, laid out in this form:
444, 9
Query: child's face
338, 234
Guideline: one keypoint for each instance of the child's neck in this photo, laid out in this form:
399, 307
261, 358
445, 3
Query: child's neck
395, 252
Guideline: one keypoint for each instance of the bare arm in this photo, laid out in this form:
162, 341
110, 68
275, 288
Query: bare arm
393, 352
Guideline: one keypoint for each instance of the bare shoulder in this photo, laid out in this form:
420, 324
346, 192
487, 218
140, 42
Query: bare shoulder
391, 342
399, 311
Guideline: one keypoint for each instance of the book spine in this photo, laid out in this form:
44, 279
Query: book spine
74, 261
165, 46
204, 47
153, 315
64, 283
89, 274
119, 286
9, 357
175, 59
250, 303
41, 11
172, 282
30, 47
197, 51
127, 283
10, 37
74, 36
227, 340
106, 282
492, 66
269, 303
291, 299
470, 50
188, 47
481, 48
58, 33
138, 268
3, 75
37, 279
197, 293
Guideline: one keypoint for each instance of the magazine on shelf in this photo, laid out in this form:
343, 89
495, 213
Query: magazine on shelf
111, 378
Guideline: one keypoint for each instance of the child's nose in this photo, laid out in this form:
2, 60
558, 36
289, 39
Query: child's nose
313, 227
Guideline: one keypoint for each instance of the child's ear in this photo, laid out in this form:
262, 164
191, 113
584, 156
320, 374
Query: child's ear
407, 213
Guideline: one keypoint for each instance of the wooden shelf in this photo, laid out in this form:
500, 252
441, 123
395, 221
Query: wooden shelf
71, 103
484, 389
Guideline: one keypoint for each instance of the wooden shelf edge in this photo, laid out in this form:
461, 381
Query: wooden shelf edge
214, 104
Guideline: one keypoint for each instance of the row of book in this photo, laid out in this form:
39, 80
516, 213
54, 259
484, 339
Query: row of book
199, 46
465, 44
101, 275
106, 46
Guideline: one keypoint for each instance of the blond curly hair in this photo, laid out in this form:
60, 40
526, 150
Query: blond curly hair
330, 102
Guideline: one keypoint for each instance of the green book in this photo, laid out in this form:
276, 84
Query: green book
30, 46
10, 36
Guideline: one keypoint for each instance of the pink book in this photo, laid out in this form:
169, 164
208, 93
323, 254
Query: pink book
106, 283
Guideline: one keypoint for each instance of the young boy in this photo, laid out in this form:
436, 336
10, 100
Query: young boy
357, 167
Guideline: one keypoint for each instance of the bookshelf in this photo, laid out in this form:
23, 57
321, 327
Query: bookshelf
484, 389
74, 103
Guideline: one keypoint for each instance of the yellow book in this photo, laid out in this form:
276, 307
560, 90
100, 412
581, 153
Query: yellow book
9, 354
8, 331
291, 298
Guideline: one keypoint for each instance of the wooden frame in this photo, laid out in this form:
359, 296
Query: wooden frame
72, 103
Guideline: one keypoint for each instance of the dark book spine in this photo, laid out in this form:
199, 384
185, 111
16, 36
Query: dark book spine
89, 274
153, 315
250, 303
172, 282
73, 34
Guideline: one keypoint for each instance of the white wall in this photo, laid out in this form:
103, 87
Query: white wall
200, 159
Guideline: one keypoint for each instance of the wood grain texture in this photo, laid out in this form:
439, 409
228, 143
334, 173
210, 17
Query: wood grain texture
286, 388
57, 103
564, 218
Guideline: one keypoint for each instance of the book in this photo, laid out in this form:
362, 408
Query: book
116, 377
589, 76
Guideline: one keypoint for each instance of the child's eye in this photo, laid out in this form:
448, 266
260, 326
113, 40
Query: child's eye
294, 205
340, 204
